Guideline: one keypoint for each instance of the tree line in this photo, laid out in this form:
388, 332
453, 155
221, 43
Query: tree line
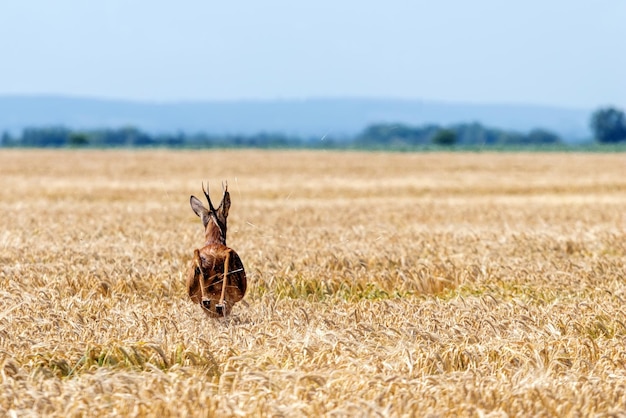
608, 126
388, 136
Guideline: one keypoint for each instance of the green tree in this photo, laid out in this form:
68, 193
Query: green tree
444, 137
395, 135
609, 125
542, 137
78, 139
6, 140
53, 136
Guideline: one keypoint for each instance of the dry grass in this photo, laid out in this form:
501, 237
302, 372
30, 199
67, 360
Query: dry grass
379, 284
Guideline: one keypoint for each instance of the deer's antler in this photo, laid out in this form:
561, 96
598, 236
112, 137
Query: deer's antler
208, 198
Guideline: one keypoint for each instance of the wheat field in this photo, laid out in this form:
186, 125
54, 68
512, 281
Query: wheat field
379, 284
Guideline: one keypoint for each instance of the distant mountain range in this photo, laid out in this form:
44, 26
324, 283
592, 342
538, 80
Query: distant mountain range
307, 118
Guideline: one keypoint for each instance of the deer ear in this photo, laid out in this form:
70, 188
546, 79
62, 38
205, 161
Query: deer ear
199, 209
225, 205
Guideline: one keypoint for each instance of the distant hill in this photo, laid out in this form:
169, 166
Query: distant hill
308, 118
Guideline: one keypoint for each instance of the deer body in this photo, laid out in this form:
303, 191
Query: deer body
216, 279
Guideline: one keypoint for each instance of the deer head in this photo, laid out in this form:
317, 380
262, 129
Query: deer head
213, 219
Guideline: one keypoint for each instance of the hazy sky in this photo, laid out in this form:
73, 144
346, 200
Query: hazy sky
557, 52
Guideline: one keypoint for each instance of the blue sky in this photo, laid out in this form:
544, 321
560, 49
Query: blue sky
557, 52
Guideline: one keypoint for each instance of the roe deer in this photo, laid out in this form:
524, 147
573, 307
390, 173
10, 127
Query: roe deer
216, 279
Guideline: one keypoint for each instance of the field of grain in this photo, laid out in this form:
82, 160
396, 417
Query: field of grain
379, 285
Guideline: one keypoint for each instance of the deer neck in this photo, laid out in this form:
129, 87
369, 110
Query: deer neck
214, 235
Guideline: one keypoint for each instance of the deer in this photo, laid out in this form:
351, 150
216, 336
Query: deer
216, 279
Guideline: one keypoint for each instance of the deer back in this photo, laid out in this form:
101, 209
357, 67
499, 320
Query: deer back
208, 267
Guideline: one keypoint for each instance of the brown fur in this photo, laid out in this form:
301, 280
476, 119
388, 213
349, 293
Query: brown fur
216, 279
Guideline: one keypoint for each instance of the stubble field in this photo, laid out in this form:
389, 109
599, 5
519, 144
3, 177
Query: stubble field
378, 285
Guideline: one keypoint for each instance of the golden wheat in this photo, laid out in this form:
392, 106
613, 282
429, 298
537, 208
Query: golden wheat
379, 284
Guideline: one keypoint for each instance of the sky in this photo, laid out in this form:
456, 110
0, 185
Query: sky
566, 53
